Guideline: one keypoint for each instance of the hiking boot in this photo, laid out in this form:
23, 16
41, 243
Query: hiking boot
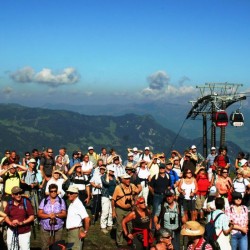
104, 230
109, 228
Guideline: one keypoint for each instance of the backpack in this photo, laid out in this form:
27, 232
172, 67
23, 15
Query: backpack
210, 233
10, 203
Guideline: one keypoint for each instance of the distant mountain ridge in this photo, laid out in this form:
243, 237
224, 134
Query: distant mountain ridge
24, 128
169, 115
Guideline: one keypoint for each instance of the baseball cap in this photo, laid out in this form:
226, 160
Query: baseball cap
146, 148
193, 147
90, 147
16, 189
213, 148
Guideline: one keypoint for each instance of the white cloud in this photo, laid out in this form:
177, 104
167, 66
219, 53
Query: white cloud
23, 75
160, 87
68, 76
158, 80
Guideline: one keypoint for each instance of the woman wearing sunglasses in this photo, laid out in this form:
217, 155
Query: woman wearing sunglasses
52, 211
141, 222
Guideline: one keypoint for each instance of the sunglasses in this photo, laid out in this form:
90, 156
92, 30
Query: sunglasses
168, 237
18, 194
53, 191
70, 193
225, 172
142, 202
189, 172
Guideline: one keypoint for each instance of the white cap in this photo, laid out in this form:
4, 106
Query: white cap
130, 154
213, 148
146, 148
110, 168
193, 147
243, 162
90, 147
212, 191
135, 149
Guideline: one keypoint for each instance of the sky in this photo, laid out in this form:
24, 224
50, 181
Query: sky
116, 51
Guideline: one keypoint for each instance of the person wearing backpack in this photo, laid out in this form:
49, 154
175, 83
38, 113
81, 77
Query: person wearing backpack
222, 225
240, 184
238, 214
168, 217
195, 231
52, 211
20, 215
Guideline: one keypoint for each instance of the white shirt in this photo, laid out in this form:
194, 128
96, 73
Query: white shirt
119, 170
86, 166
143, 173
59, 183
76, 214
96, 178
240, 185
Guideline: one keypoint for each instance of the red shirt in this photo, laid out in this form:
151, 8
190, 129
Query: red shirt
19, 213
200, 245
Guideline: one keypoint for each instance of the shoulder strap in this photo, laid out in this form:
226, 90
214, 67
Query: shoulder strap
204, 245
218, 215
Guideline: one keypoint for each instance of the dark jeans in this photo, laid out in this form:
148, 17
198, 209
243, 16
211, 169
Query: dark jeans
157, 200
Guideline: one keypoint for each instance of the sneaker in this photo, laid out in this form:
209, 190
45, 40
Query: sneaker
104, 230
109, 228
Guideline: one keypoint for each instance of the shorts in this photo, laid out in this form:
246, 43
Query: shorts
189, 205
200, 199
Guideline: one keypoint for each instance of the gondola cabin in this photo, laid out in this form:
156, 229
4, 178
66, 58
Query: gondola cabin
220, 118
237, 119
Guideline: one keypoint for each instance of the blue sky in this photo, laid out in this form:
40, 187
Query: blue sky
97, 52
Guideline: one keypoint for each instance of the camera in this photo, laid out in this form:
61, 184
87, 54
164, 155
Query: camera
172, 220
128, 201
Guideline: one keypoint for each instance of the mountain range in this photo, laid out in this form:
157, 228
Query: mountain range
24, 128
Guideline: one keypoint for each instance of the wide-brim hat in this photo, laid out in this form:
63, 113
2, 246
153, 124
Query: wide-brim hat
129, 166
125, 176
73, 189
192, 228
32, 160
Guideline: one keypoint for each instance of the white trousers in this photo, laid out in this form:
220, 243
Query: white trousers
106, 216
23, 240
144, 192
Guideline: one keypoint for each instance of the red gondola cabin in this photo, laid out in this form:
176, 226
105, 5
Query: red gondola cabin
220, 118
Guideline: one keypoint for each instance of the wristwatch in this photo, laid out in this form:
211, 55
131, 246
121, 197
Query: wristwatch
85, 231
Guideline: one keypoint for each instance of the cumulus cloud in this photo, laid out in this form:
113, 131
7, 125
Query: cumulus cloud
23, 75
161, 88
158, 80
68, 76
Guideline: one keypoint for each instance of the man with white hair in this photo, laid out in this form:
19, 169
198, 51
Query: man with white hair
76, 219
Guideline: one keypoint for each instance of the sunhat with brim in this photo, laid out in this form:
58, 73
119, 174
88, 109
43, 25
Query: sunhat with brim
125, 176
103, 167
73, 189
243, 162
192, 228
129, 166
32, 160
57, 171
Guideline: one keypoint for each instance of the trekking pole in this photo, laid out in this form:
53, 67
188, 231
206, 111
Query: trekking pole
81, 244
15, 240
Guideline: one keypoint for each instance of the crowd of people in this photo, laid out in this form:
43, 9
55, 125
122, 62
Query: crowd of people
148, 198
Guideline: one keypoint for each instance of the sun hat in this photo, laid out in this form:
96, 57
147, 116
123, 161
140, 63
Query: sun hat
110, 168
125, 176
135, 149
16, 189
129, 166
162, 165
213, 148
73, 189
32, 160
193, 147
146, 148
90, 147
192, 228
130, 154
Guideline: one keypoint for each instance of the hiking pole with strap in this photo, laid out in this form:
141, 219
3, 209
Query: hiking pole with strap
15, 240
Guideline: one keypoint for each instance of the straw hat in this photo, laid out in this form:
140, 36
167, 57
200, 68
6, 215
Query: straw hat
192, 228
